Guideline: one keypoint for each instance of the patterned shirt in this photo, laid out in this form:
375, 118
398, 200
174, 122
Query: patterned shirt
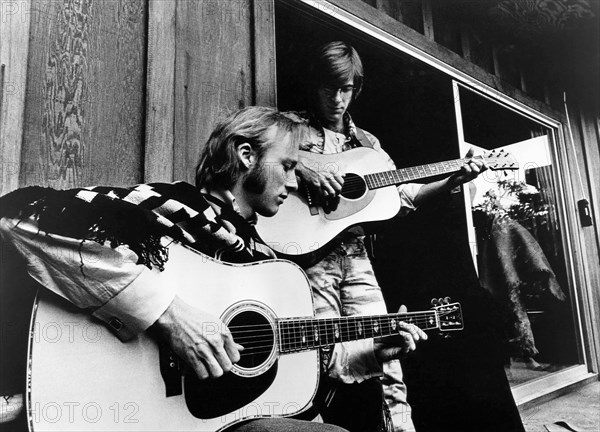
109, 271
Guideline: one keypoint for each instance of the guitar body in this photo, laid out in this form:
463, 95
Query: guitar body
83, 378
299, 229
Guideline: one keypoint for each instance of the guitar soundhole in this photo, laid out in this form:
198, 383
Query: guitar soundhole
253, 331
354, 186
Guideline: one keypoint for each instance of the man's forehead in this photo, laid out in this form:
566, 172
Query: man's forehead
340, 82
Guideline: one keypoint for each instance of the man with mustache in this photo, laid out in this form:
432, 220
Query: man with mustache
99, 247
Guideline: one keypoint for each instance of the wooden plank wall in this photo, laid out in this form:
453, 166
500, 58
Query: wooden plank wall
15, 20
160, 96
85, 93
224, 61
125, 91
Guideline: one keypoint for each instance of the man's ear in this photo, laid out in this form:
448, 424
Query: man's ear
246, 154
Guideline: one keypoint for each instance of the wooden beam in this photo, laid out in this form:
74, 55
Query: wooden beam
428, 29
160, 96
265, 75
465, 42
14, 49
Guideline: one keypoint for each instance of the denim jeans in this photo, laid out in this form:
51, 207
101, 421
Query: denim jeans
343, 283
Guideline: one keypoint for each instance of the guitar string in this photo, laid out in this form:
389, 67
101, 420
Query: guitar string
341, 320
399, 317
386, 178
387, 331
299, 336
348, 319
297, 345
412, 172
298, 340
307, 333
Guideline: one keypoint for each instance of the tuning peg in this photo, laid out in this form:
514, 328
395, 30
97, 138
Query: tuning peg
447, 300
434, 302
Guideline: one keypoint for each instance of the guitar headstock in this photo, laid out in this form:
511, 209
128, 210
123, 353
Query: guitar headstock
500, 160
449, 314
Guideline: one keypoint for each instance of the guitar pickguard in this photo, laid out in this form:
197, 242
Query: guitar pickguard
214, 398
348, 207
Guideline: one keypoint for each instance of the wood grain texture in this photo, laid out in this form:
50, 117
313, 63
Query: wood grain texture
84, 113
160, 97
214, 73
265, 76
14, 46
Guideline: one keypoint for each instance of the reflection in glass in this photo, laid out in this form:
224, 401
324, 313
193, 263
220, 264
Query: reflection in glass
520, 255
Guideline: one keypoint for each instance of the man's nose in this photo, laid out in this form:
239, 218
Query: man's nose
337, 96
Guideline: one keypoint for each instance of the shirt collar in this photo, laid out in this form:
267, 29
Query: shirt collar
228, 198
349, 126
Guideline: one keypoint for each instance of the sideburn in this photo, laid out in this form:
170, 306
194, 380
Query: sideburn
255, 180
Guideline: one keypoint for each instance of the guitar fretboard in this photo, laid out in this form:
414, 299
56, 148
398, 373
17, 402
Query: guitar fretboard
404, 175
310, 333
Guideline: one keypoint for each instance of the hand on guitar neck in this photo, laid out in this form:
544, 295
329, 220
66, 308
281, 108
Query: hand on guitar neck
468, 171
393, 347
201, 340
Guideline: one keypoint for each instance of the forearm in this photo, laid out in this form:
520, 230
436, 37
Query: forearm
106, 281
434, 189
353, 362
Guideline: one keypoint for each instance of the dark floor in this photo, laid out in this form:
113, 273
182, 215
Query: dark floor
579, 410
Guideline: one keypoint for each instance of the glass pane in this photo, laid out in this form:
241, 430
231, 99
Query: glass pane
521, 259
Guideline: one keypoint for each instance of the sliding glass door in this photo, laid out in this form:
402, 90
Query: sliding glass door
518, 232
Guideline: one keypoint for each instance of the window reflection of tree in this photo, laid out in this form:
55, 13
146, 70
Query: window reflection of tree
521, 256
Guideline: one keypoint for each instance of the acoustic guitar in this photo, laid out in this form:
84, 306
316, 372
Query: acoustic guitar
82, 378
302, 225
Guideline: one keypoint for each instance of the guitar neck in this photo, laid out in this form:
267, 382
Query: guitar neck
405, 175
311, 333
